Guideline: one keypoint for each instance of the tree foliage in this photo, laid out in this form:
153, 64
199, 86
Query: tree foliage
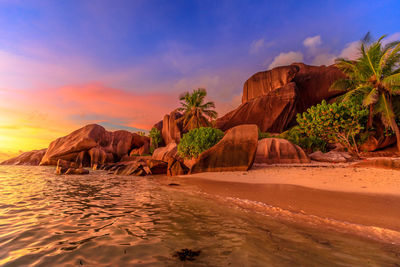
196, 113
375, 75
155, 139
198, 140
334, 123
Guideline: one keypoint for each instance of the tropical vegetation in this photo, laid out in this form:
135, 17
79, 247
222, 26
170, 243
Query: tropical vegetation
198, 140
155, 139
196, 112
335, 123
375, 75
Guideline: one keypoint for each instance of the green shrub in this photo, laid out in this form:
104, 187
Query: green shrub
309, 143
262, 135
155, 138
334, 123
198, 140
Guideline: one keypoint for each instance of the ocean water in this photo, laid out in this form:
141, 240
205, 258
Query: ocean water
106, 220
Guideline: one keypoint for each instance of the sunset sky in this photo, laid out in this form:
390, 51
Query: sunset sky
64, 64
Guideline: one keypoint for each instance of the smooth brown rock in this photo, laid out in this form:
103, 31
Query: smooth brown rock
157, 166
176, 167
263, 82
331, 156
313, 83
158, 125
63, 166
273, 112
279, 151
235, 152
165, 153
77, 171
109, 146
172, 128
272, 98
31, 158
97, 157
68, 147
385, 163
140, 167
143, 150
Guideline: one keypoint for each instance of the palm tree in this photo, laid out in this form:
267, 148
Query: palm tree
196, 113
375, 75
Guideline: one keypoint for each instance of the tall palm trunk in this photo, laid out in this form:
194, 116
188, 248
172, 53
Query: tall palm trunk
370, 117
394, 125
396, 130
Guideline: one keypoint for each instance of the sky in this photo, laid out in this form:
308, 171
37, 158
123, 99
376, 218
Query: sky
123, 64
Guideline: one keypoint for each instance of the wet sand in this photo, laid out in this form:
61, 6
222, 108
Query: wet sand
364, 196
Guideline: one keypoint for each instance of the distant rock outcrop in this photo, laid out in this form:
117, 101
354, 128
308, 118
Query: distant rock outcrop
93, 145
272, 98
279, 151
272, 112
235, 151
32, 158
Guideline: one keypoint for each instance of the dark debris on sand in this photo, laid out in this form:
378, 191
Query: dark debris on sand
186, 254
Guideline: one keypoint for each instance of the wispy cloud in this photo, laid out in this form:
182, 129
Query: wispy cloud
312, 42
286, 59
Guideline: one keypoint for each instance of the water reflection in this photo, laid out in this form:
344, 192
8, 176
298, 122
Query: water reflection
49, 220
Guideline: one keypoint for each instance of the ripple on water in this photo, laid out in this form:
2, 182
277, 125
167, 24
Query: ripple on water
98, 219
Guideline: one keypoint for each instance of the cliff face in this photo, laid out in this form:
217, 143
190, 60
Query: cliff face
264, 82
271, 112
272, 98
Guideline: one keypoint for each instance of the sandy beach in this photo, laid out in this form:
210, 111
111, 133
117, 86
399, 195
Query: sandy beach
363, 196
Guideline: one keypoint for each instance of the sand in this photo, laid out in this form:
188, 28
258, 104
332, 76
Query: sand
364, 196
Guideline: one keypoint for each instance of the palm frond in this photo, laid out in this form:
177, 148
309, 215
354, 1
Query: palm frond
360, 90
371, 98
384, 109
367, 38
392, 80
342, 85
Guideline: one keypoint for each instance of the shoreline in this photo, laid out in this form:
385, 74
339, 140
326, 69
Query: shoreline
370, 201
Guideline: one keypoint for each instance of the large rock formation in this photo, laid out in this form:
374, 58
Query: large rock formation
264, 82
165, 153
235, 151
272, 98
314, 82
32, 158
279, 151
172, 128
92, 145
272, 112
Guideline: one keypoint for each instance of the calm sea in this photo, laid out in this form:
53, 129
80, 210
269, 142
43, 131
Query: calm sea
105, 220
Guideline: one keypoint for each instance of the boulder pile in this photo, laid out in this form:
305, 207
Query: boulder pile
92, 145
